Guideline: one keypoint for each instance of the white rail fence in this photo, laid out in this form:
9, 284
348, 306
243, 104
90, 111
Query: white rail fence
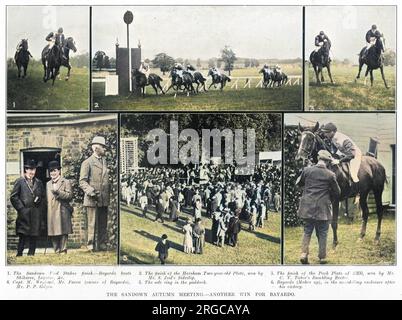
236, 83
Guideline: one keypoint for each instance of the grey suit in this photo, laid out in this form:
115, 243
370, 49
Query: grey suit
315, 208
94, 178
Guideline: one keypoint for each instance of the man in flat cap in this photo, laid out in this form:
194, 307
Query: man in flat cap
94, 181
343, 145
27, 197
320, 187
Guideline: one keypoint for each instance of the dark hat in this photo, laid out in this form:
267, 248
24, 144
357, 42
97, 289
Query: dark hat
322, 33
374, 27
329, 127
54, 165
30, 164
164, 236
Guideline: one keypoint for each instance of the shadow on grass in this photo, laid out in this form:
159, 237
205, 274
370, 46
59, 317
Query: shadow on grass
324, 84
173, 245
264, 236
140, 258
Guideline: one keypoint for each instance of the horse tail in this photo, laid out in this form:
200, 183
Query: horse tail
228, 79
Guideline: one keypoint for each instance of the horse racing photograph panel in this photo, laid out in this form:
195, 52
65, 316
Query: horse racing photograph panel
219, 58
339, 180
350, 54
200, 189
48, 58
62, 188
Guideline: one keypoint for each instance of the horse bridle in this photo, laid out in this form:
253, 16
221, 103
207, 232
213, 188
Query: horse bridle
301, 143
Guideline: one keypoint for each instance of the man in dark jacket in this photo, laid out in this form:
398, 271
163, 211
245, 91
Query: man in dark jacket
163, 249
320, 186
372, 36
27, 197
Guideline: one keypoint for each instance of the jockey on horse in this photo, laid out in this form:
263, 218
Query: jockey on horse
144, 69
341, 145
56, 39
319, 42
372, 36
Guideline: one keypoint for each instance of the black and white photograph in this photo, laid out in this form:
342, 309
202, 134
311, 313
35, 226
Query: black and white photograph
340, 184
62, 189
213, 208
48, 58
350, 58
222, 58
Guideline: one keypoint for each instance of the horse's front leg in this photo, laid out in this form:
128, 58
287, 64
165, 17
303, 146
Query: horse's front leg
322, 74
365, 75
329, 73
334, 223
316, 74
371, 77
360, 70
68, 72
19, 71
212, 83
383, 77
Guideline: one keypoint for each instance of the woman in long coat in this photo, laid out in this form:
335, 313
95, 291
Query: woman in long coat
188, 237
59, 211
173, 216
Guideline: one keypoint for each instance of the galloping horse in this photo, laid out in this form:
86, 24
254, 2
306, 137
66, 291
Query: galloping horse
218, 79
184, 83
69, 44
373, 60
371, 176
51, 60
141, 81
21, 57
278, 77
198, 78
320, 59
267, 76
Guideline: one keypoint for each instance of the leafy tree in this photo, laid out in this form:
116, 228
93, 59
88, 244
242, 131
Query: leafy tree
163, 62
228, 57
98, 59
211, 63
106, 62
218, 63
389, 58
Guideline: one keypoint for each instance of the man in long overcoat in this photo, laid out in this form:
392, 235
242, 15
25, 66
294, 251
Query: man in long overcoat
320, 186
94, 181
59, 210
27, 197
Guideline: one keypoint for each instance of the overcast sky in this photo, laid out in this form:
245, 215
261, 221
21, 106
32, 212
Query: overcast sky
201, 32
346, 26
35, 23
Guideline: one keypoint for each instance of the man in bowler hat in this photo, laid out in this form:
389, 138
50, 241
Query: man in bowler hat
27, 197
94, 181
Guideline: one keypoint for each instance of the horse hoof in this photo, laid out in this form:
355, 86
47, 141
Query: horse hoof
334, 245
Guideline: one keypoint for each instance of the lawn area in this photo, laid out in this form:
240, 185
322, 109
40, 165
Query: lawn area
345, 94
73, 257
230, 99
32, 93
350, 251
139, 236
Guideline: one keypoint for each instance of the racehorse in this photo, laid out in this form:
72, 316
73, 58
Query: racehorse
371, 176
320, 59
267, 76
69, 44
197, 78
51, 60
373, 60
21, 57
185, 82
218, 79
153, 79
278, 77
